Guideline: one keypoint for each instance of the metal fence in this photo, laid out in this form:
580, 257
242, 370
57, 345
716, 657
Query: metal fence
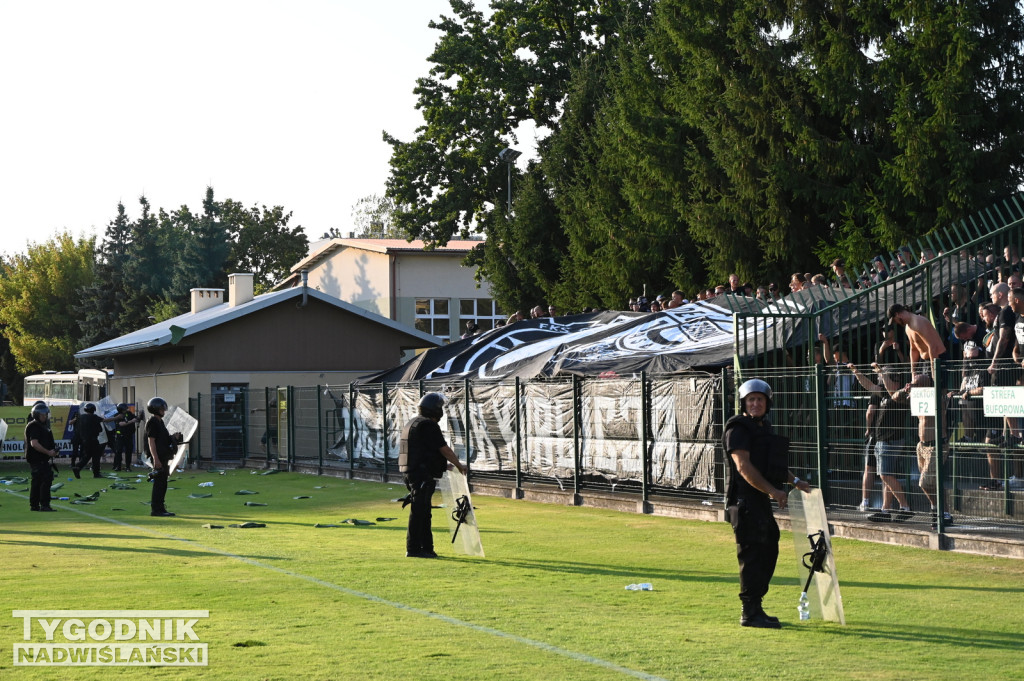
660, 437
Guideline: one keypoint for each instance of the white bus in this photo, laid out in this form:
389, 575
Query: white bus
65, 387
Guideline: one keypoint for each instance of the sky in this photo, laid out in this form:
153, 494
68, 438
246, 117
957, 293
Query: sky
270, 103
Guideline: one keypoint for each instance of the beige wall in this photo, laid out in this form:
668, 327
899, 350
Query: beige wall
364, 278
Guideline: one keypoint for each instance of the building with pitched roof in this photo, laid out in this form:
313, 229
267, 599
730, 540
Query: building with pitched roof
245, 344
430, 290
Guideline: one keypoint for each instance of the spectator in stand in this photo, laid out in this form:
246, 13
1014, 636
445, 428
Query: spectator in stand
905, 258
880, 274
643, 305
676, 300
890, 351
927, 436
762, 294
870, 459
926, 255
655, 306
839, 270
925, 342
537, 312
516, 316
890, 427
840, 386
773, 290
552, 311
734, 285
818, 280
720, 290
1001, 371
748, 289
471, 329
1011, 258
797, 282
970, 335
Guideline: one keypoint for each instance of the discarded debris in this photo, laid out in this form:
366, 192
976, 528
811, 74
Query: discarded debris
211, 526
253, 503
357, 521
246, 526
246, 491
199, 496
325, 525
302, 497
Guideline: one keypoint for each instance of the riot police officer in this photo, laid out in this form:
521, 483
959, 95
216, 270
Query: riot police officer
124, 436
40, 450
161, 446
758, 469
423, 458
89, 426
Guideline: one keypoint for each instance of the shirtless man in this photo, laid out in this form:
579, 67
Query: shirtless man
925, 342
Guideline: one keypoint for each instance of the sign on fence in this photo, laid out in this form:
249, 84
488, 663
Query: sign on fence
1008, 401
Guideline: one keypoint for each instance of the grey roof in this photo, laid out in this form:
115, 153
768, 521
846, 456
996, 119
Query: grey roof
160, 334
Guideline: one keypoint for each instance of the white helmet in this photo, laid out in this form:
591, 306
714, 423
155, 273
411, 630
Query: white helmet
756, 385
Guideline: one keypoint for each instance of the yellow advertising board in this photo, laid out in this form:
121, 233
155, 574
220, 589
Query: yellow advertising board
17, 418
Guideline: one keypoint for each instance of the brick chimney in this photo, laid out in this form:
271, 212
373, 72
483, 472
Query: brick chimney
205, 298
240, 288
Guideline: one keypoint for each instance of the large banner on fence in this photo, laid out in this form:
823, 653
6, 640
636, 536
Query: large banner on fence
696, 335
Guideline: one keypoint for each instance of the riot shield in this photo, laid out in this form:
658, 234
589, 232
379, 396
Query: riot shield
180, 421
461, 520
813, 545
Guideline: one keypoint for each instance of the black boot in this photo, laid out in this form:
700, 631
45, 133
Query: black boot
768, 617
754, 616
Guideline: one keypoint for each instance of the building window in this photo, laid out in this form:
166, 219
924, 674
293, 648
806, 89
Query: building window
432, 317
483, 311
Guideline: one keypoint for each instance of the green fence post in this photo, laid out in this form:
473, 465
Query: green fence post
465, 392
519, 438
721, 426
576, 454
384, 425
940, 486
645, 441
820, 424
351, 430
290, 392
266, 411
319, 431
199, 432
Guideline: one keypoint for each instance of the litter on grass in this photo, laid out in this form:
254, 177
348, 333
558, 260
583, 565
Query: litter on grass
246, 491
253, 503
246, 526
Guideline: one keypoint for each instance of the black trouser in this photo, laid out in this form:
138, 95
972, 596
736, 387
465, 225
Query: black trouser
419, 538
91, 451
42, 479
123, 444
757, 548
156, 501
76, 451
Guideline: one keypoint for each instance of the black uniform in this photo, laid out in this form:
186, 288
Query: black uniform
165, 448
124, 440
750, 509
421, 463
39, 463
89, 427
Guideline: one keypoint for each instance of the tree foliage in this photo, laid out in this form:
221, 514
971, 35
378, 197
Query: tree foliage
682, 141
39, 296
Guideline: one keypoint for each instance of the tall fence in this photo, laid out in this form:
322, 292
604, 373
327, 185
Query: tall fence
660, 436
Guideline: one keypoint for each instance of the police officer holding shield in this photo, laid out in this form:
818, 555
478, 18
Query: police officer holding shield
758, 469
423, 458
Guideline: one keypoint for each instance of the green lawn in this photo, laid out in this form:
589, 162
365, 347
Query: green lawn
290, 601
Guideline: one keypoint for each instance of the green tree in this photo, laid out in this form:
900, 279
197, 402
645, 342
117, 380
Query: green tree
373, 217
262, 242
38, 294
206, 242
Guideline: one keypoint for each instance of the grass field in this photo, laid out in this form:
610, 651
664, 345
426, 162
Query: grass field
291, 601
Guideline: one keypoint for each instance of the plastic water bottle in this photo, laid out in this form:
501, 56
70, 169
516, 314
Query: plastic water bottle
645, 586
804, 608
206, 484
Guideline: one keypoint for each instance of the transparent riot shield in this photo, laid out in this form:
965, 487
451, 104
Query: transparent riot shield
458, 506
813, 545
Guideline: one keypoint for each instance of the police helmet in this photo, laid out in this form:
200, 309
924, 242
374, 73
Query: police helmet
432, 405
155, 404
39, 408
122, 408
756, 385
90, 408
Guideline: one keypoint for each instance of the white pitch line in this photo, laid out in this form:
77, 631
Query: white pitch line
580, 657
